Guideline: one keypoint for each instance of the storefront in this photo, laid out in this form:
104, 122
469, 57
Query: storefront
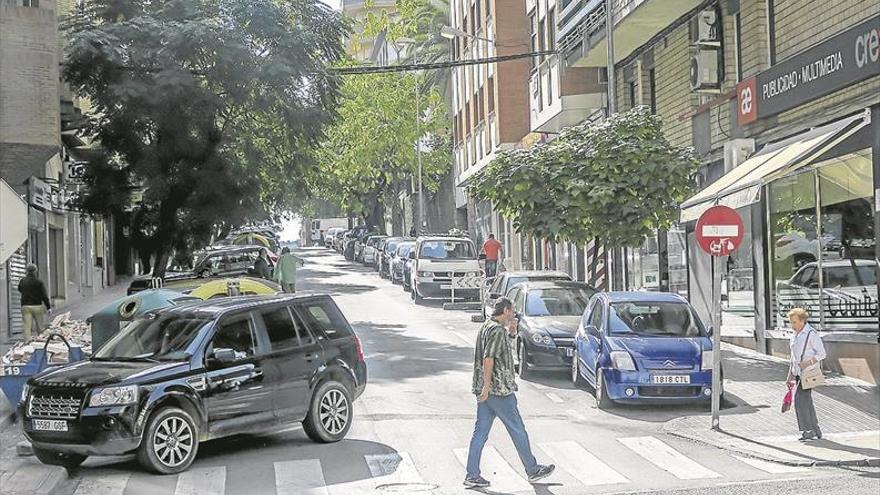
809, 204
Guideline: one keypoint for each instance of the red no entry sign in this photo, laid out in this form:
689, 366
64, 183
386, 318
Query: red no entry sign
719, 230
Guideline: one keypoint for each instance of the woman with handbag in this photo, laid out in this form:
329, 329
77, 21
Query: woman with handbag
805, 369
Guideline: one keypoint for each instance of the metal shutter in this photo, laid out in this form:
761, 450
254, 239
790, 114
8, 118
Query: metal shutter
15, 267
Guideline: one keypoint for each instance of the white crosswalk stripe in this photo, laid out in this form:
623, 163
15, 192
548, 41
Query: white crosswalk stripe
104, 484
771, 467
665, 457
393, 469
501, 474
581, 464
202, 481
300, 478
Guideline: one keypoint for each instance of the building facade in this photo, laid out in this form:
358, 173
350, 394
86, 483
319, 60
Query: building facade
38, 160
781, 109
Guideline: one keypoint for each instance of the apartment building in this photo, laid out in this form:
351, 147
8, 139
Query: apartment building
38, 165
490, 102
781, 108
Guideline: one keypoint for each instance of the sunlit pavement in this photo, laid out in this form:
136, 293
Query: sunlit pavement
413, 424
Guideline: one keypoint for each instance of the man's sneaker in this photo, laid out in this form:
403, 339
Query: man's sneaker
476, 482
541, 473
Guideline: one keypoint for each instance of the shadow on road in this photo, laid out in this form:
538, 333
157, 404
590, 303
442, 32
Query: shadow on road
402, 355
322, 287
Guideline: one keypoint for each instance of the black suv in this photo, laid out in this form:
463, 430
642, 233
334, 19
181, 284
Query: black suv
196, 372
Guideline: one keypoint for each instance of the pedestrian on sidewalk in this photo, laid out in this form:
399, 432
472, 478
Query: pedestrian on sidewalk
806, 352
492, 250
34, 302
261, 265
285, 270
494, 385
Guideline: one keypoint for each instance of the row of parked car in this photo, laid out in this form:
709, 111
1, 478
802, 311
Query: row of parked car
625, 346
427, 266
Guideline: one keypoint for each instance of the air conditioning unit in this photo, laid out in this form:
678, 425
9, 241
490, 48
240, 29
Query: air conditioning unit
704, 69
706, 28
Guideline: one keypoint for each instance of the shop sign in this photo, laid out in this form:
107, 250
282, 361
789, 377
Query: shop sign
838, 62
719, 231
39, 193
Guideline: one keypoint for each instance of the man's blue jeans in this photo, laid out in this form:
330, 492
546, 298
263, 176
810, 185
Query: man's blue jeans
505, 409
491, 268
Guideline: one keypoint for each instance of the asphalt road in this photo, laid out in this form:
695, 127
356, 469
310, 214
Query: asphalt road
413, 424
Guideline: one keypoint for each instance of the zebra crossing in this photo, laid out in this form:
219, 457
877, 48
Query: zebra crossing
580, 467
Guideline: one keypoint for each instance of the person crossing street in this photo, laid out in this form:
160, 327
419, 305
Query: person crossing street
494, 384
285, 270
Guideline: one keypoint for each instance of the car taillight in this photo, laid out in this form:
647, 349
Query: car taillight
360, 349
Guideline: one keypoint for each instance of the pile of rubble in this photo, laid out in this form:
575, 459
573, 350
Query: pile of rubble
78, 333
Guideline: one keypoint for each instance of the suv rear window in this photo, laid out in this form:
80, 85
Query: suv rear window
324, 316
447, 250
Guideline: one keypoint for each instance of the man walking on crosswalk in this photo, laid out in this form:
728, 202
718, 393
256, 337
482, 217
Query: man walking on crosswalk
494, 385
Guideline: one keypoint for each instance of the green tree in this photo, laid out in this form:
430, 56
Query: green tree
614, 181
370, 152
209, 108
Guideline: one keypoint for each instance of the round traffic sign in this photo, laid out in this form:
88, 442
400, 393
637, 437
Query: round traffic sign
719, 230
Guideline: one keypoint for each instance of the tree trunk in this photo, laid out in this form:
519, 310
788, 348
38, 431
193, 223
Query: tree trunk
144, 255
397, 222
376, 215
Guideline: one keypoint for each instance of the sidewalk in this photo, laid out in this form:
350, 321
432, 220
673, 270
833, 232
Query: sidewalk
848, 410
26, 475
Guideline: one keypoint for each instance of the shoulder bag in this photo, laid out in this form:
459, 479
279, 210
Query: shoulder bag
811, 377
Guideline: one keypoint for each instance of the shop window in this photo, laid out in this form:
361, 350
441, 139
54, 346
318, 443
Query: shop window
643, 266
823, 258
676, 242
737, 283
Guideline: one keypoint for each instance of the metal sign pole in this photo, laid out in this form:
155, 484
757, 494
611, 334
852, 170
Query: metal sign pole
452, 279
716, 344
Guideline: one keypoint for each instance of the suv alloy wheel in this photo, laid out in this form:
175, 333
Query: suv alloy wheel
330, 413
602, 400
170, 441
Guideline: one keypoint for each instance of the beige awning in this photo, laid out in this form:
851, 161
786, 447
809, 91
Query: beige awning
13, 221
742, 185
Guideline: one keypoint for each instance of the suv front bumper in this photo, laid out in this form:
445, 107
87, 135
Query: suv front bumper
97, 431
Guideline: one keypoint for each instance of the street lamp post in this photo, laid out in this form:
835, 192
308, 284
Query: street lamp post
421, 218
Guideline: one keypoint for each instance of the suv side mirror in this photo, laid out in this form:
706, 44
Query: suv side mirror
223, 355
592, 330
482, 256
710, 330
412, 255
494, 295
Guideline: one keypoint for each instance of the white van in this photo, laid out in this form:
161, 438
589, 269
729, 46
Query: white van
436, 260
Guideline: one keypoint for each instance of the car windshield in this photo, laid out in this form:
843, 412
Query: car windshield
404, 249
653, 319
181, 263
850, 276
152, 338
447, 250
514, 281
562, 301
391, 246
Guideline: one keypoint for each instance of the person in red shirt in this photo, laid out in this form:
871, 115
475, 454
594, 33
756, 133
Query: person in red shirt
492, 250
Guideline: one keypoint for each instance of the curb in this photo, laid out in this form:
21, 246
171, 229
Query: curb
867, 462
37, 479
7, 412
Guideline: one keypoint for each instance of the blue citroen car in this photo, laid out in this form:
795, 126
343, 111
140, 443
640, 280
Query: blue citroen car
642, 347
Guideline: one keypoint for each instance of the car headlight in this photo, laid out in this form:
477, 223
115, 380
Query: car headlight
541, 339
622, 361
707, 358
426, 274
473, 274
25, 390
114, 396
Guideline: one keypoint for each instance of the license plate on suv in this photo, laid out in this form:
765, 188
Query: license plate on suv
671, 379
50, 425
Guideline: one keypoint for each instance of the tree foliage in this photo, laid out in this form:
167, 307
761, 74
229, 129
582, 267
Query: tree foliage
371, 149
616, 181
209, 107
